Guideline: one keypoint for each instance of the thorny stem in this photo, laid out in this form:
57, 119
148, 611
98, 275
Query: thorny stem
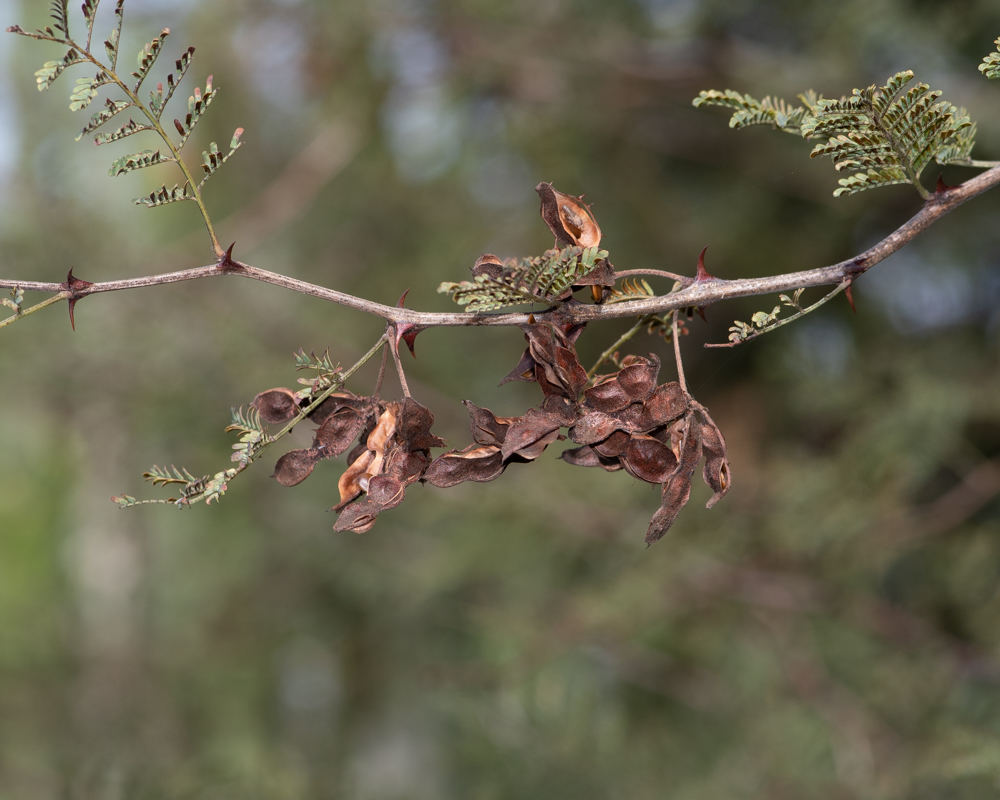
174, 152
677, 353
611, 350
25, 312
782, 322
701, 293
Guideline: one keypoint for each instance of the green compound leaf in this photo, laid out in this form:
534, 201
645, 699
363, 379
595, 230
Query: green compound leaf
991, 63
51, 70
166, 476
959, 149
882, 135
253, 437
214, 158
112, 42
129, 128
164, 196
84, 93
60, 15
197, 104
157, 99
134, 161
111, 109
543, 279
747, 111
147, 57
89, 14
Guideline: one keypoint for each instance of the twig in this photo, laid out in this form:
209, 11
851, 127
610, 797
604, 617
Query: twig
399, 369
381, 373
658, 273
677, 353
697, 294
611, 350
25, 312
780, 323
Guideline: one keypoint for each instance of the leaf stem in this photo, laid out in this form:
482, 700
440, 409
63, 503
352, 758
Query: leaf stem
25, 312
783, 322
620, 341
677, 352
174, 151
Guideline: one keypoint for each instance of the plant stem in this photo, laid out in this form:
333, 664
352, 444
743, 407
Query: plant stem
611, 350
677, 353
25, 312
784, 322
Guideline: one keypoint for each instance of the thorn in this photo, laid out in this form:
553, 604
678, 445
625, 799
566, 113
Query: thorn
74, 286
701, 312
531, 319
405, 331
850, 298
703, 274
226, 260
941, 187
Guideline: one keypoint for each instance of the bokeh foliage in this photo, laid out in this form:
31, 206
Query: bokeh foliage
826, 631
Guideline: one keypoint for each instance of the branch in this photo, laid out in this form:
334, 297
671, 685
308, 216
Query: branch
698, 293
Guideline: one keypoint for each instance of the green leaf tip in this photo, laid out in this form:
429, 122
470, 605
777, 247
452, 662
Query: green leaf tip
991, 63
882, 135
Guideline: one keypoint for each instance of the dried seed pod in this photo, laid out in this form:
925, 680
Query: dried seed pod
337, 401
648, 459
668, 402
480, 464
486, 427
593, 428
487, 264
338, 431
615, 445
587, 457
383, 493
413, 427
535, 425
349, 483
276, 405
568, 217
295, 466
716, 470
608, 396
677, 488
534, 450
638, 379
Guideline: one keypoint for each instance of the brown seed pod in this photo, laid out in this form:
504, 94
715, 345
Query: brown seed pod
276, 405
638, 379
480, 464
534, 426
587, 457
295, 466
338, 431
568, 217
349, 483
487, 264
648, 459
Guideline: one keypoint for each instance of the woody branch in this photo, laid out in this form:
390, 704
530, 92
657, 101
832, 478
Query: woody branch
696, 293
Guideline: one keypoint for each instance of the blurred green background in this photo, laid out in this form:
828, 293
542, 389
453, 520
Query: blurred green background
829, 630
